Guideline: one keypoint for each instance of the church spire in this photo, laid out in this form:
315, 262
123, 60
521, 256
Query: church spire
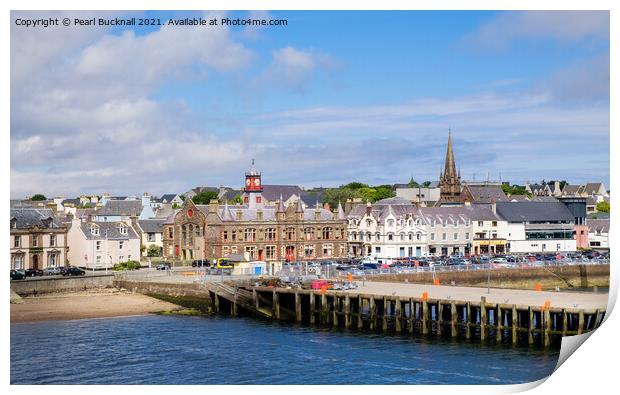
450, 168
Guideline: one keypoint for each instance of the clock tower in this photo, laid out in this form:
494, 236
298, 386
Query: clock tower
253, 188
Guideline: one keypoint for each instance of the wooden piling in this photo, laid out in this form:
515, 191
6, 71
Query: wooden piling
255, 298
439, 317
398, 316
386, 313
297, 306
467, 321
347, 311
312, 308
360, 319
564, 323
324, 309
547, 326
515, 324
483, 318
530, 331
581, 319
411, 315
335, 312
373, 313
276, 304
425, 317
498, 323
454, 316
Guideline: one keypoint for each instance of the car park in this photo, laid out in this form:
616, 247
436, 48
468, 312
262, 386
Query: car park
17, 275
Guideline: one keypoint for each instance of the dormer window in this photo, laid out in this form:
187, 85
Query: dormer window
390, 222
122, 230
13, 223
368, 222
94, 230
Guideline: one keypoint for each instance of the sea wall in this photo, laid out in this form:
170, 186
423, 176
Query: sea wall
184, 294
44, 285
574, 276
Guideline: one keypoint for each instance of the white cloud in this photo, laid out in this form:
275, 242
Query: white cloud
565, 26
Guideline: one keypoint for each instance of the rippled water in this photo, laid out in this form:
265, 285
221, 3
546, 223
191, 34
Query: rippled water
197, 350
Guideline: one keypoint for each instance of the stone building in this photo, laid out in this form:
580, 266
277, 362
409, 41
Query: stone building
38, 239
257, 229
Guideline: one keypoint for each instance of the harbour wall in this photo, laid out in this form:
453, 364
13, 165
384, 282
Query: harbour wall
564, 277
45, 285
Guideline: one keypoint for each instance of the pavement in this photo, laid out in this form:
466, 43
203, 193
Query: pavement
562, 299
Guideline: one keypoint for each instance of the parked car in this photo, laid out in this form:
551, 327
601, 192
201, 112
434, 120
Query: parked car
200, 263
17, 275
367, 266
499, 260
52, 271
33, 272
163, 266
73, 271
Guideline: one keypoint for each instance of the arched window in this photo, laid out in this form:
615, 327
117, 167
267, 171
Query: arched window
402, 236
327, 233
390, 222
390, 236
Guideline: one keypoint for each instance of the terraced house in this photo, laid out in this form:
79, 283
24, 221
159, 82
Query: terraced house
38, 239
257, 229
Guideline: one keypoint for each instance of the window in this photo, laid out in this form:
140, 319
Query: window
120, 245
259, 214
432, 237
270, 234
170, 232
98, 245
121, 258
35, 241
270, 252
150, 237
226, 251
480, 223
390, 237
410, 236
327, 233
52, 240
98, 260
377, 236
308, 233
289, 233
308, 251
233, 249
258, 200
444, 223
250, 234
233, 235
328, 250
122, 230
467, 236
418, 236
13, 223
444, 236
402, 237
251, 250
17, 261
456, 236
494, 223
390, 222
17, 241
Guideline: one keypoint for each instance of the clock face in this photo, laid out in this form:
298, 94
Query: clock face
257, 182
247, 182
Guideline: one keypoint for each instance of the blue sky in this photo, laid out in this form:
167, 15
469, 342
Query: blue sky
330, 98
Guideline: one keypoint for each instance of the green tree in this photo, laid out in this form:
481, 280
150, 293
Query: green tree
175, 206
38, 197
355, 185
333, 196
426, 184
153, 251
236, 200
412, 183
204, 197
602, 207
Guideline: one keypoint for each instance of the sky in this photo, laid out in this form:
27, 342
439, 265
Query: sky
330, 98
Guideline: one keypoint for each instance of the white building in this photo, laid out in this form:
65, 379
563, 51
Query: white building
390, 228
99, 245
419, 194
598, 234
151, 231
538, 226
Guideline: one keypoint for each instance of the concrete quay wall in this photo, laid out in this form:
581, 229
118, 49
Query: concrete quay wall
577, 276
45, 285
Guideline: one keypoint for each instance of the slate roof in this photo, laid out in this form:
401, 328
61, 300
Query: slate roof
109, 228
572, 189
534, 211
152, 225
229, 213
230, 194
486, 194
592, 188
167, 198
121, 208
26, 218
273, 192
598, 225
310, 198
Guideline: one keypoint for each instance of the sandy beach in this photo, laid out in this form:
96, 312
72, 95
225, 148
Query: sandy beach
87, 304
